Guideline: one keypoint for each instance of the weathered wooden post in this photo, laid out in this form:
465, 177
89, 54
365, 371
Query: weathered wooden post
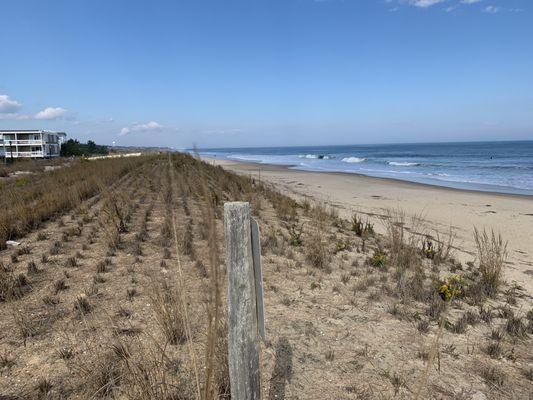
243, 341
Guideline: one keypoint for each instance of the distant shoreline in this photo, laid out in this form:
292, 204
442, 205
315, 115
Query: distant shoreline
294, 167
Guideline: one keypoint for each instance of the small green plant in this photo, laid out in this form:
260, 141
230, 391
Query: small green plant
295, 235
378, 260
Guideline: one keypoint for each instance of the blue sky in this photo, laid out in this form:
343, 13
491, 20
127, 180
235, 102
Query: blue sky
279, 72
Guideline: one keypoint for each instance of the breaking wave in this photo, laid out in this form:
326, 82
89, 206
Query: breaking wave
403, 164
353, 160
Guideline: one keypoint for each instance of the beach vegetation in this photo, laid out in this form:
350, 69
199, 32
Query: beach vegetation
493, 376
295, 235
451, 288
12, 286
492, 253
342, 245
73, 148
361, 228
317, 252
378, 260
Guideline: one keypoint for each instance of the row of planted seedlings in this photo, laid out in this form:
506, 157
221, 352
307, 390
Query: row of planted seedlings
32, 200
124, 215
153, 364
30, 318
60, 233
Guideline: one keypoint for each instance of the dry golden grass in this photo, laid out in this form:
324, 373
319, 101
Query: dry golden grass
26, 204
492, 252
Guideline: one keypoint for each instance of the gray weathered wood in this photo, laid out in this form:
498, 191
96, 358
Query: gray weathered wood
243, 342
258, 274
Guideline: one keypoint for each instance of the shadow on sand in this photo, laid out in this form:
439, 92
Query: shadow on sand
282, 370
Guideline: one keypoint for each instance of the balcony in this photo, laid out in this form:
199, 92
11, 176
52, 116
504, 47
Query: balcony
24, 154
30, 142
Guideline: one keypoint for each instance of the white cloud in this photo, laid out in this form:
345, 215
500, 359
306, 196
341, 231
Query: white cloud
491, 9
51, 113
9, 111
7, 105
470, 1
150, 126
424, 3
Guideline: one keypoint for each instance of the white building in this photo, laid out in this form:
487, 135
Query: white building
30, 144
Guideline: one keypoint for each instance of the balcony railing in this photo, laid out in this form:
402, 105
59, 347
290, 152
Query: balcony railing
17, 154
31, 142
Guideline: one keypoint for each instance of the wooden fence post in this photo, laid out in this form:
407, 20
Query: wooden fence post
243, 341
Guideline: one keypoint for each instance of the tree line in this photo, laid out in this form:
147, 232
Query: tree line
74, 148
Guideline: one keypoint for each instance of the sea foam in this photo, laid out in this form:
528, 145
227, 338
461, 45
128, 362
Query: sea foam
353, 160
403, 164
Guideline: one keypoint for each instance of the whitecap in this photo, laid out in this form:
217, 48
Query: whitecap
403, 164
353, 159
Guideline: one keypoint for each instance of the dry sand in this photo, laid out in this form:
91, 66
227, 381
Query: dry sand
511, 215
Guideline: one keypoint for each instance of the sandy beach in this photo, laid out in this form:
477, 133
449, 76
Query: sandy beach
510, 215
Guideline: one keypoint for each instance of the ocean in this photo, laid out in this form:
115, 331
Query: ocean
505, 167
